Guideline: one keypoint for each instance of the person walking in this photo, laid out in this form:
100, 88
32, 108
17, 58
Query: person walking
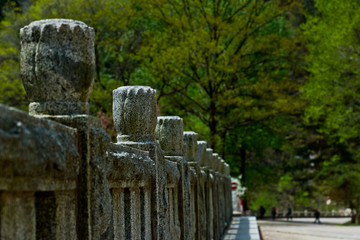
262, 212
289, 214
317, 216
273, 213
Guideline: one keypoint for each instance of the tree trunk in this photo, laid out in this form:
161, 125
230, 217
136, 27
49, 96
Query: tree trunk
212, 124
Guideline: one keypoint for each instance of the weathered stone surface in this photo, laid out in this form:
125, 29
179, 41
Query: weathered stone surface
37, 148
201, 153
222, 166
65, 215
169, 131
94, 204
129, 169
99, 196
17, 216
201, 204
184, 199
190, 146
57, 65
134, 113
209, 153
227, 169
218, 164
214, 161
172, 171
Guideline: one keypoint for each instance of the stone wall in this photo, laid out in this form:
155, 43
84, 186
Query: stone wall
61, 177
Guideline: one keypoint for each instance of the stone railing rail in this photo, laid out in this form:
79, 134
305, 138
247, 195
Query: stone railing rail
62, 178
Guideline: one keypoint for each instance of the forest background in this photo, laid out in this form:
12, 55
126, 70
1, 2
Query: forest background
271, 85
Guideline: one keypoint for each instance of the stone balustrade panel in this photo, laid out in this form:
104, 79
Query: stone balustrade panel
62, 178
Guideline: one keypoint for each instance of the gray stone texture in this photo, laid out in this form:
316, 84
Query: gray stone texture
17, 218
184, 199
201, 153
214, 161
169, 130
190, 146
209, 153
222, 166
57, 65
134, 113
57, 69
94, 197
130, 167
36, 154
173, 185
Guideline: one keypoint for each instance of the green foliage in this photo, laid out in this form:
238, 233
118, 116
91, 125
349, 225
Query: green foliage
332, 90
213, 64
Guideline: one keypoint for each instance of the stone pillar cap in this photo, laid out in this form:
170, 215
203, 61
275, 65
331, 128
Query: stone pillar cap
201, 152
190, 146
169, 134
57, 66
134, 113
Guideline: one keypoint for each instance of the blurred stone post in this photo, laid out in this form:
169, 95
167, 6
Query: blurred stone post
216, 194
209, 200
190, 152
202, 178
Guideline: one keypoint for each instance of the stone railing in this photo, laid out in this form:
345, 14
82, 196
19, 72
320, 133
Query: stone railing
62, 178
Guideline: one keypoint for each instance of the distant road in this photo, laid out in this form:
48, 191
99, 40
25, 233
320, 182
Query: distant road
305, 229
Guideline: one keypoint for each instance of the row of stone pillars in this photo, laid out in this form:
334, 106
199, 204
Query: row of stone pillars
156, 182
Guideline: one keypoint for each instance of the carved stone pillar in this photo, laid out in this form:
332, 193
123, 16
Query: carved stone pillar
134, 113
57, 65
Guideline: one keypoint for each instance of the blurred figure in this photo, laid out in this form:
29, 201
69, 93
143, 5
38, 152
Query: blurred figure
262, 212
289, 214
273, 213
317, 216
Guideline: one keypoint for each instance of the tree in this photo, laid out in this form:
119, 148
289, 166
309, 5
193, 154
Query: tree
332, 90
225, 62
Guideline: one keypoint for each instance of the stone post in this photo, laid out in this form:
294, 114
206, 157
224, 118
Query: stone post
210, 197
190, 151
57, 65
134, 113
201, 153
169, 133
222, 202
202, 202
229, 192
190, 146
214, 164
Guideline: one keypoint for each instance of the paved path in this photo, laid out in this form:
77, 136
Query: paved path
242, 228
305, 229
